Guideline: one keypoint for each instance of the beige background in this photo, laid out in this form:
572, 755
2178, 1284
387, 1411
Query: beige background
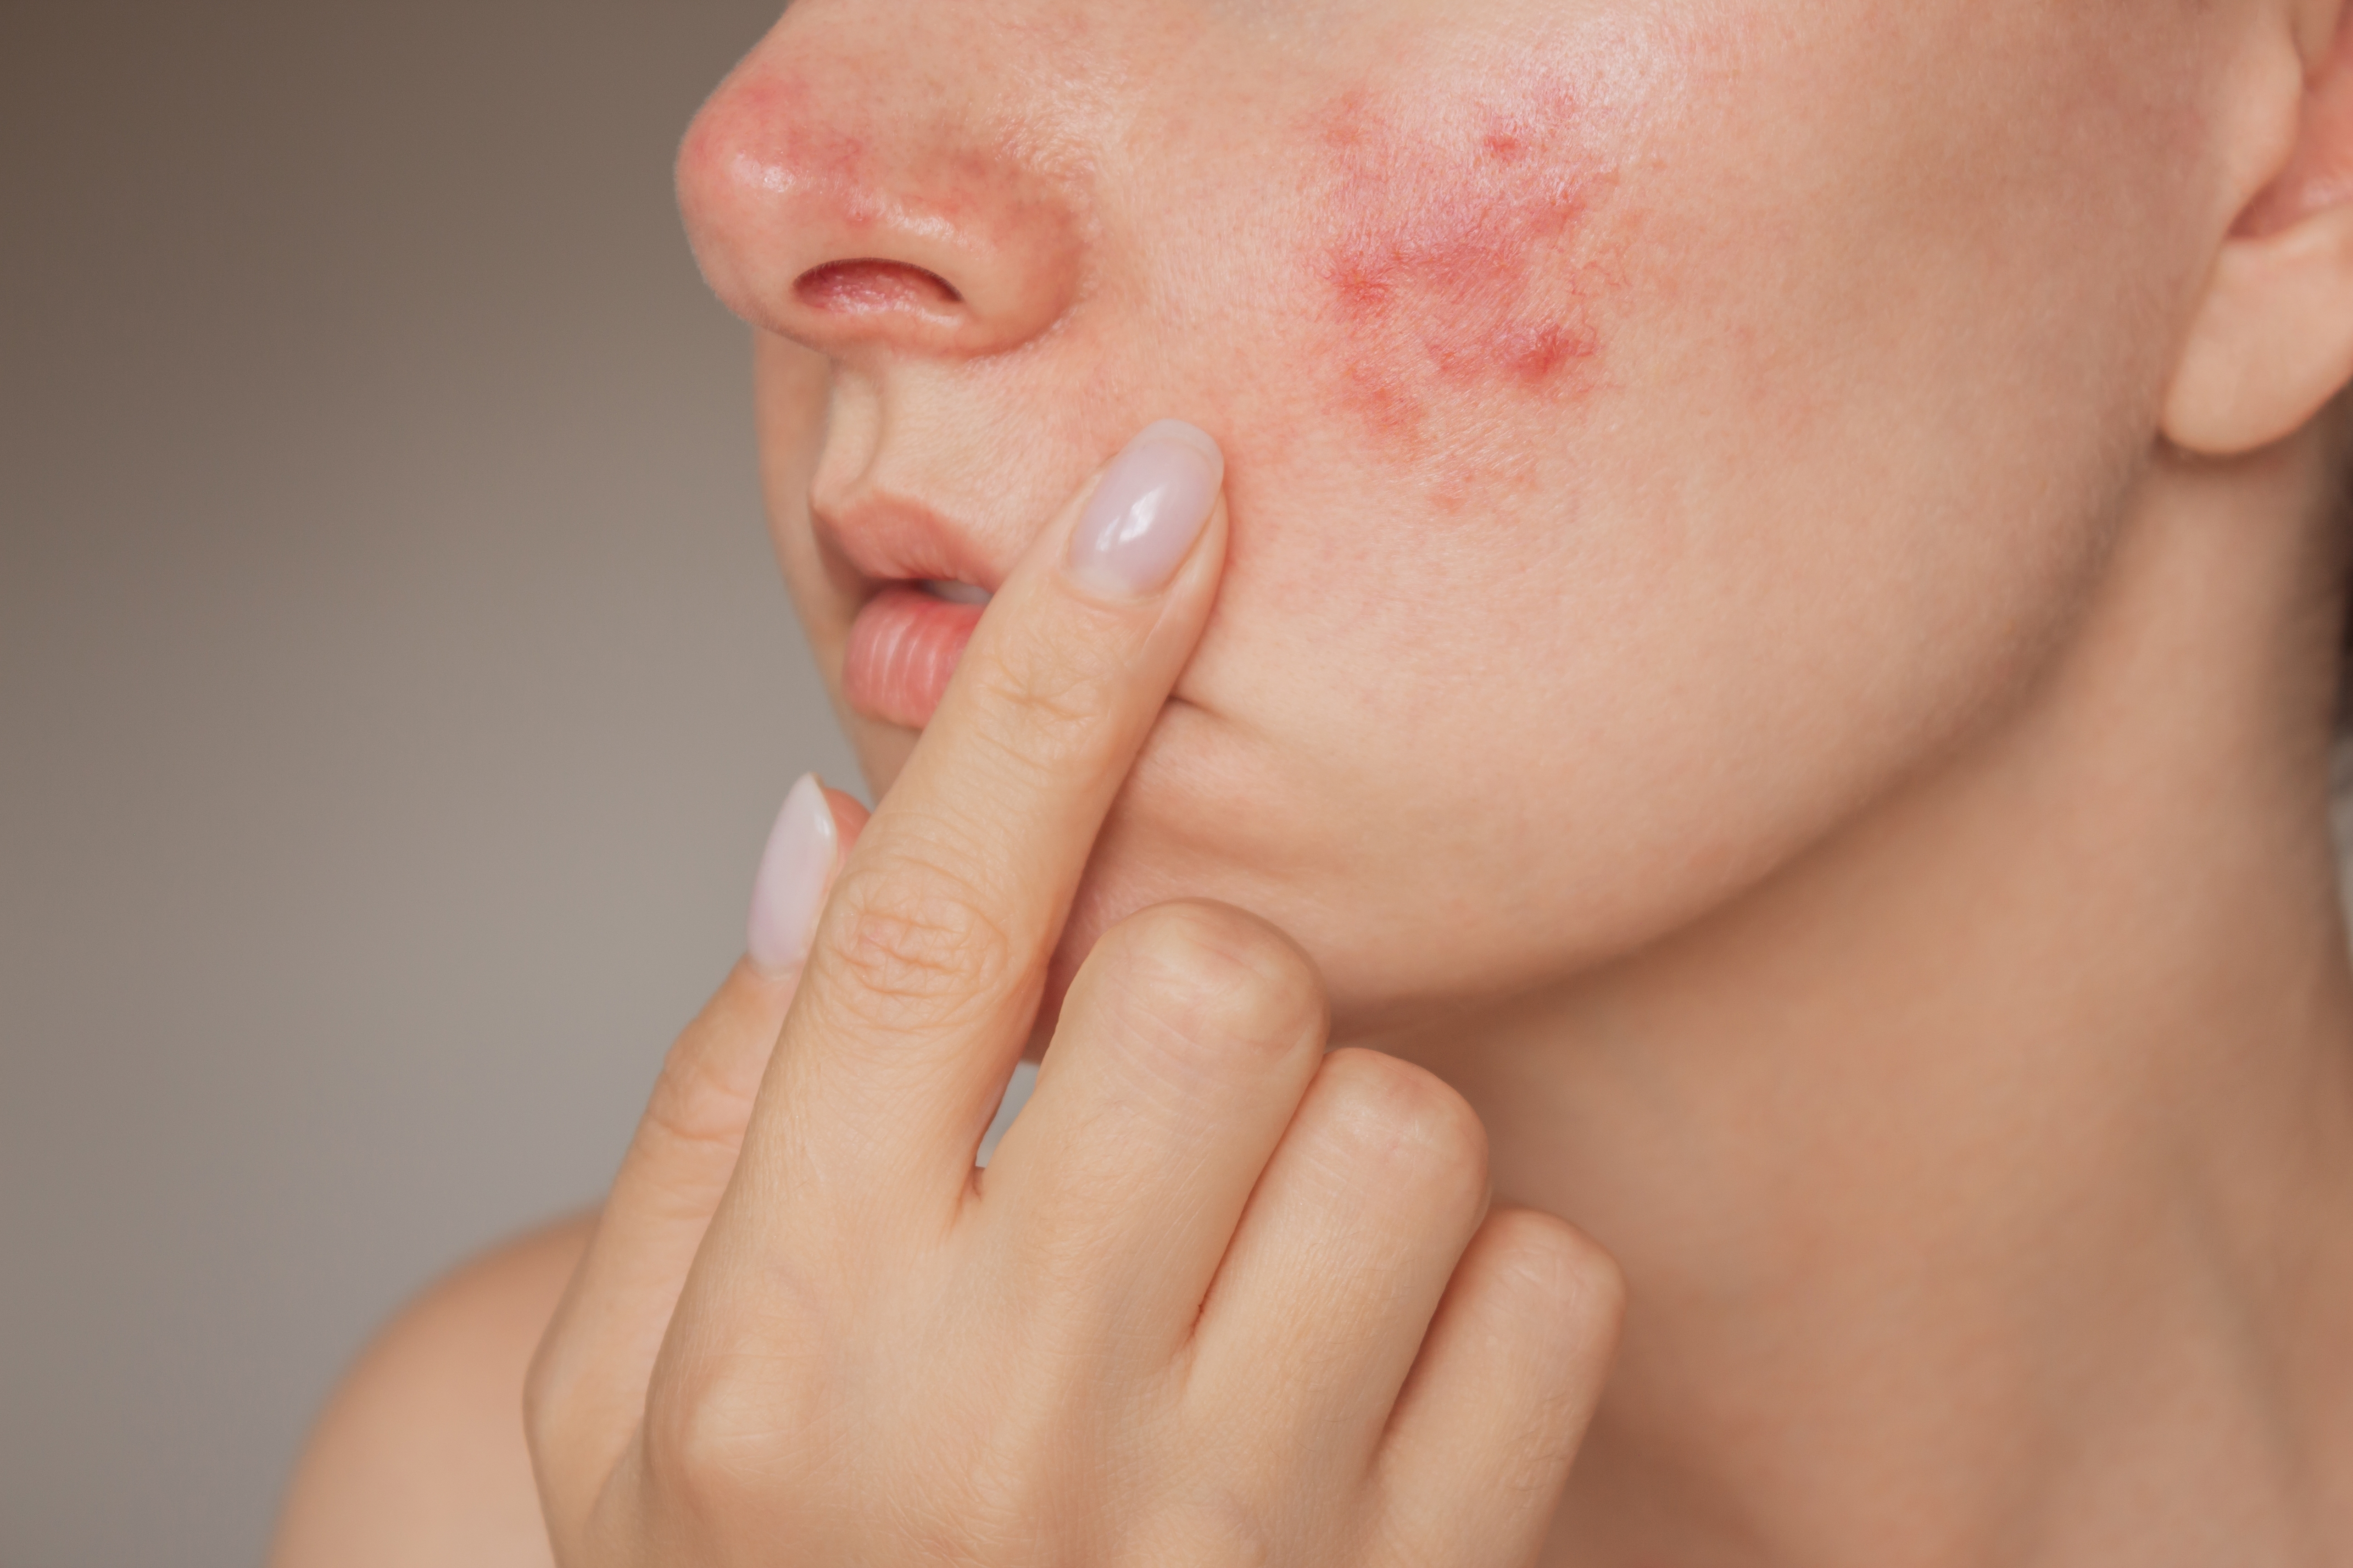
395, 689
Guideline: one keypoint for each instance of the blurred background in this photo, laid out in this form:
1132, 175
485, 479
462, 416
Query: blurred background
395, 688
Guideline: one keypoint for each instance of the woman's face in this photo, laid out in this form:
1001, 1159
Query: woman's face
1655, 427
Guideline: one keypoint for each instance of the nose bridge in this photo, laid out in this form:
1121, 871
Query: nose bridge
861, 196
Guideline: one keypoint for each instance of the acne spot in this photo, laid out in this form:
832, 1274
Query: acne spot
1453, 259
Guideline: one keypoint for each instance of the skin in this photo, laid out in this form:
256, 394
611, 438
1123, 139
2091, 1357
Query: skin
1627, 535
1778, 636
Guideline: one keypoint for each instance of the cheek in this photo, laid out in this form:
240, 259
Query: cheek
1460, 243
1450, 270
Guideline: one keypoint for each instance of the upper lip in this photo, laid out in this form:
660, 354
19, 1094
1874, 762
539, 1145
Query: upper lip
886, 538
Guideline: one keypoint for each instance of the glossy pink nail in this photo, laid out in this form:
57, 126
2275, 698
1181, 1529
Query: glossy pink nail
794, 870
1150, 506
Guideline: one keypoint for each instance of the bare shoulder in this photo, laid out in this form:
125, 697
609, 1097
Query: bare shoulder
420, 1457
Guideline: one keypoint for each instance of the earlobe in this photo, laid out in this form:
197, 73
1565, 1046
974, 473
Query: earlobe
2273, 340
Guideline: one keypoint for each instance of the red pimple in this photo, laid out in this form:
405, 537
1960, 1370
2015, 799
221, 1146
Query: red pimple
1452, 267
1503, 146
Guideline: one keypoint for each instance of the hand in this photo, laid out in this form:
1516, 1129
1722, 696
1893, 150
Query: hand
1219, 1297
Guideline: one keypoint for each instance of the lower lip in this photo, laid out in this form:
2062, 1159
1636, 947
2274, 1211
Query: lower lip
903, 646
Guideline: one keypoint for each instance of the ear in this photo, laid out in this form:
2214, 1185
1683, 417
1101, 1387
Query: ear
2273, 340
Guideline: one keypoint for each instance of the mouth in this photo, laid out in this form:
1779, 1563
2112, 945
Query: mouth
904, 645
924, 577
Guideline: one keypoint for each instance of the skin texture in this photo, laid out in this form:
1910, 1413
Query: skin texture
1456, 272
1778, 633
1569, 361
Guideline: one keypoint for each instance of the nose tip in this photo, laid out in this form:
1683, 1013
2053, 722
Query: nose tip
852, 224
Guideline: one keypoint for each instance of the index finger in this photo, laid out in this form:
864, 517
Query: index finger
930, 961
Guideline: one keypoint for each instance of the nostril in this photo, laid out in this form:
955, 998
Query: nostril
856, 288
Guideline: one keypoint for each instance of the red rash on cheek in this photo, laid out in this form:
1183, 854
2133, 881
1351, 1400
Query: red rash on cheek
1454, 262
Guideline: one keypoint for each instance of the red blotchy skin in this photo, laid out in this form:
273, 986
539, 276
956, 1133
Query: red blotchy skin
780, 120
1455, 269
781, 133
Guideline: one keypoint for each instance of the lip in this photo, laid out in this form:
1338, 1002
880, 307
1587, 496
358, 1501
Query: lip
907, 635
893, 539
903, 646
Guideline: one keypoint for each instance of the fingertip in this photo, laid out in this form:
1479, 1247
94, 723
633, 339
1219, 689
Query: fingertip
796, 869
1193, 436
850, 815
1147, 512
1559, 1274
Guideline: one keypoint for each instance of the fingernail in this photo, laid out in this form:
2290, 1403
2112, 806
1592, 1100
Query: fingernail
790, 888
1148, 509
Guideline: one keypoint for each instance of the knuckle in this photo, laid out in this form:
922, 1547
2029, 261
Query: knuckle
1226, 1522
709, 1439
564, 1443
1553, 1299
699, 1100
547, 1412
1043, 708
1218, 979
1405, 1121
1579, 1286
916, 934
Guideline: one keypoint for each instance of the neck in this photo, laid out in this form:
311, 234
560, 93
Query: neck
1984, 1180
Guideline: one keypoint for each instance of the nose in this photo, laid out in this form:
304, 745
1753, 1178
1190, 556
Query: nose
862, 202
